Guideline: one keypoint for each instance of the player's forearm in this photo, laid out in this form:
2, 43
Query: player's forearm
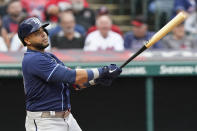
84, 76
77, 76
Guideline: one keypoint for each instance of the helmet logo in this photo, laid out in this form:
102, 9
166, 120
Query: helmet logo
36, 21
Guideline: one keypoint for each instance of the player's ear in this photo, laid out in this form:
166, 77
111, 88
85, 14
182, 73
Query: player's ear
27, 41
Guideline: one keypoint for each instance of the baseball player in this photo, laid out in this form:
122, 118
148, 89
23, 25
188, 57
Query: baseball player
47, 80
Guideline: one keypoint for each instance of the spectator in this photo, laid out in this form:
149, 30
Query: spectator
16, 44
184, 5
84, 16
104, 11
103, 38
191, 23
178, 39
68, 38
3, 45
35, 8
57, 28
11, 20
3, 7
54, 7
14, 16
139, 35
85, 4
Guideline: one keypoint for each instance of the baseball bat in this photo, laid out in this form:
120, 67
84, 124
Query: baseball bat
179, 18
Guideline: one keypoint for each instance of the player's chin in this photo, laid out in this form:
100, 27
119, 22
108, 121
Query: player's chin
45, 44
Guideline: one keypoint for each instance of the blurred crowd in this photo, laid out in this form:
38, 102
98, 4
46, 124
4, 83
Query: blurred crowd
73, 25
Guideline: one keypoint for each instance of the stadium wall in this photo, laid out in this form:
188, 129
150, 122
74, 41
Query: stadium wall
120, 107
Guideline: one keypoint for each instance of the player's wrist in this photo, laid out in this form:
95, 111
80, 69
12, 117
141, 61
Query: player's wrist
93, 73
96, 72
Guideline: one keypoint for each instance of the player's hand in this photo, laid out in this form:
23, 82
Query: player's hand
114, 71
109, 73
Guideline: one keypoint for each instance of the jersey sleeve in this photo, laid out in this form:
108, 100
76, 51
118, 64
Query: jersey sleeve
50, 71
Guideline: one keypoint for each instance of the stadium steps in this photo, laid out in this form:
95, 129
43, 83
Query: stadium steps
125, 28
122, 19
109, 6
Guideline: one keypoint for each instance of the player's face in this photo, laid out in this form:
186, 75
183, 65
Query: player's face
38, 39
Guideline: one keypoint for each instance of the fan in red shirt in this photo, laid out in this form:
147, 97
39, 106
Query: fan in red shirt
34, 7
104, 11
53, 7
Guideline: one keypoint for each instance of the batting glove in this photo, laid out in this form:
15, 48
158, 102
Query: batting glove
114, 71
109, 73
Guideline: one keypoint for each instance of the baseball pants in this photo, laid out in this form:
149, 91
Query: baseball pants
34, 122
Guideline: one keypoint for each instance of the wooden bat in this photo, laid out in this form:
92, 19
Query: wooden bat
179, 18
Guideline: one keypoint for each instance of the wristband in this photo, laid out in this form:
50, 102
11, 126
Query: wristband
93, 73
96, 73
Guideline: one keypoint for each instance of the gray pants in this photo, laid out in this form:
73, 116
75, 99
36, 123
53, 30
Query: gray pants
34, 122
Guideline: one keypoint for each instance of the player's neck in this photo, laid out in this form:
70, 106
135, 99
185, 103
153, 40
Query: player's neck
35, 49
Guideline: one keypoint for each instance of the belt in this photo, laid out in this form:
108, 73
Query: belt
54, 114
48, 114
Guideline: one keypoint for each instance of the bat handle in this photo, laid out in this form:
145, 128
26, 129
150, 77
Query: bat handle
126, 62
132, 57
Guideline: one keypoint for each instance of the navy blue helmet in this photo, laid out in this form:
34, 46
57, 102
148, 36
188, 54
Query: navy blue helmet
29, 26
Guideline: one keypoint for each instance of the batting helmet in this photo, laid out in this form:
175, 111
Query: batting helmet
29, 26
